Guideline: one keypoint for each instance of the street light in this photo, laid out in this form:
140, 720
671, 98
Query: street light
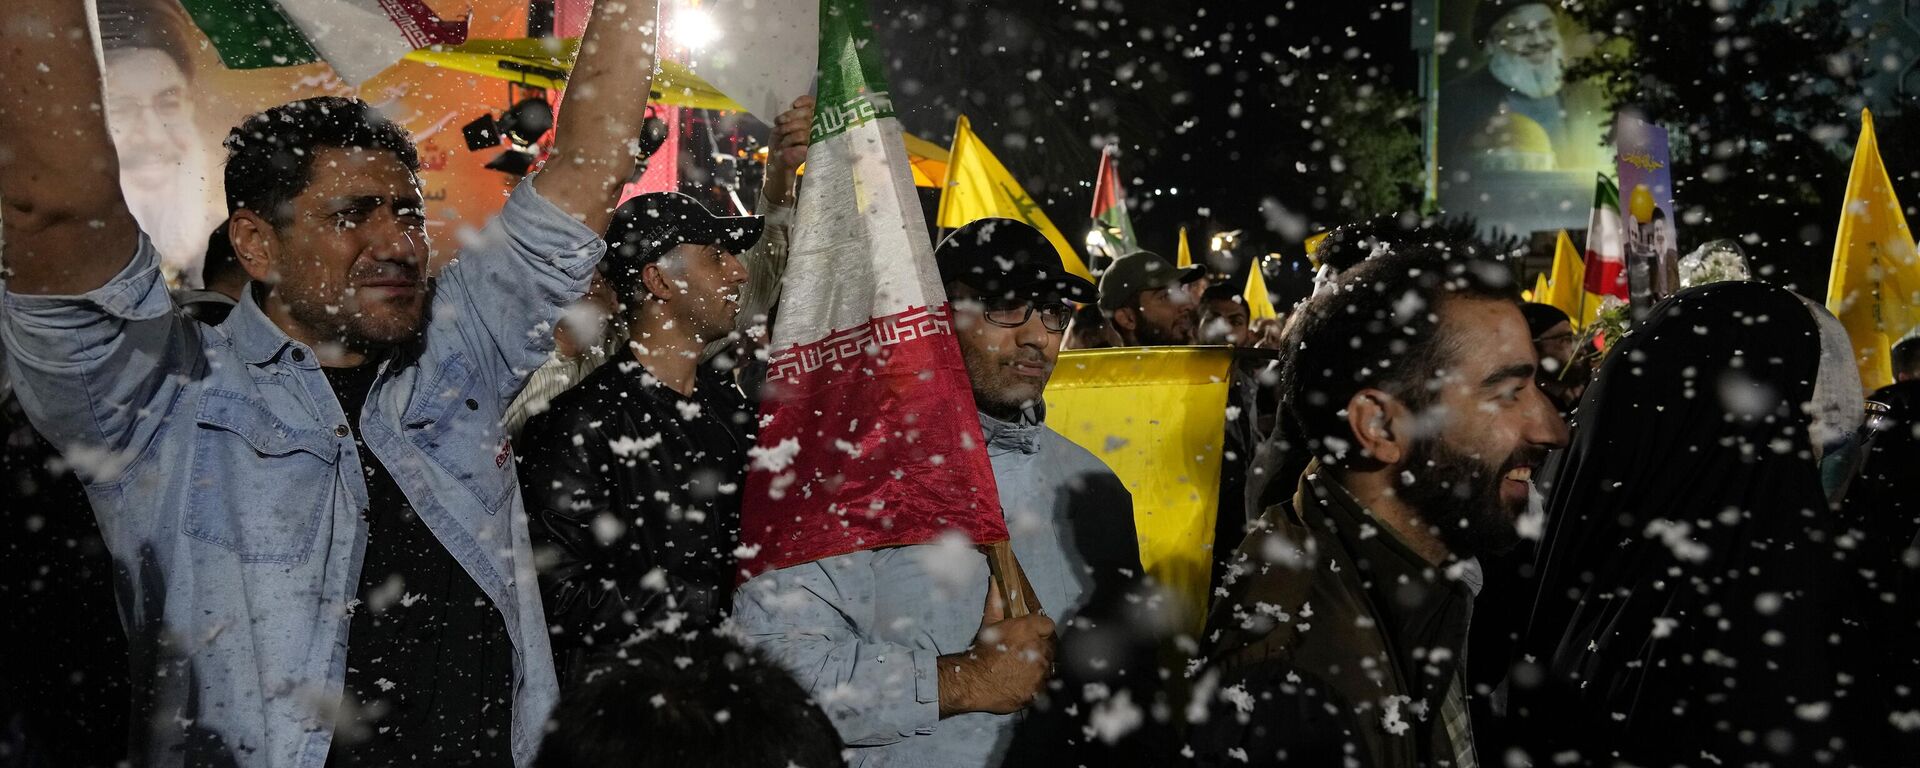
693, 28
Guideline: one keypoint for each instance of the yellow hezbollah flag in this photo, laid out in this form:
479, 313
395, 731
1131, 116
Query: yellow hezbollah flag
1539, 289
1153, 415
979, 187
1875, 285
1566, 286
1259, 304
1186, 254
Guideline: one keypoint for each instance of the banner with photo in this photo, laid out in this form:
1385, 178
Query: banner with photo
1516, 144
1646, 211
170, 103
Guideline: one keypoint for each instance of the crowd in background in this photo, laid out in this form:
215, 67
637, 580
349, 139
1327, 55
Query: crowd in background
353, 513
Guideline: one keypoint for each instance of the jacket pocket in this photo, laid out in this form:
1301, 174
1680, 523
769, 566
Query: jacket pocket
455, 421
260, 486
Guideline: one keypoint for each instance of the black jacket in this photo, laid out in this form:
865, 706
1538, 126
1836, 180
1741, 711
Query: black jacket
623, 476
1328, 642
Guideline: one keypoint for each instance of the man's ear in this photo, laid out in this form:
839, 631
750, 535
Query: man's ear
257, 245
1381, 424
655, 280
1125, 319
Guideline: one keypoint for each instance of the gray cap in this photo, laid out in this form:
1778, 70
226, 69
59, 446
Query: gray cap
1140, 271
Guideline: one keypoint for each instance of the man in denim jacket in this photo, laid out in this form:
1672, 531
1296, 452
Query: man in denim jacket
248, 478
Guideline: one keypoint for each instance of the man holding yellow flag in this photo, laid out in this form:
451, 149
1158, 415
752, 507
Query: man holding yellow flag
1874, 287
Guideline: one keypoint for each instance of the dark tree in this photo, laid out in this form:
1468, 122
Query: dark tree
1761, 101
1218, 110
1901, 155
1361, 138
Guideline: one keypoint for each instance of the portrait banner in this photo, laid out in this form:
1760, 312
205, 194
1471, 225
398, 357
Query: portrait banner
1646, 211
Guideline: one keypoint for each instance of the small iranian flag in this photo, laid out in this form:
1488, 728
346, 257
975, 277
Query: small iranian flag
358, 38
1110, 209
869, 437
1606, 261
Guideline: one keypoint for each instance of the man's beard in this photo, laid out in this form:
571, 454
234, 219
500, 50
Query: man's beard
356, 329
1150, 335
1534, 81
1460, 495
997, 391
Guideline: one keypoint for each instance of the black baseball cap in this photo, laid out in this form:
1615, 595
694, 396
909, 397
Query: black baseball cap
1140, 271
648, 226
1008, 258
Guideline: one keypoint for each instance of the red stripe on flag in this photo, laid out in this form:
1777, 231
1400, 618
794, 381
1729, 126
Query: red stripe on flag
1106, 188
1605, 277
421, 26
875, 418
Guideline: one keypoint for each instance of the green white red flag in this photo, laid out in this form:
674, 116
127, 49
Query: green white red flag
869, 437
1110, 209
358, 38
1606, 257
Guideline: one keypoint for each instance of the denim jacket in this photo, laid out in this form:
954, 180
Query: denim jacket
231, 495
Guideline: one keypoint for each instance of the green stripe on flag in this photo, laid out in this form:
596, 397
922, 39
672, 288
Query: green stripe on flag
1606, 194
853, 83
251, 34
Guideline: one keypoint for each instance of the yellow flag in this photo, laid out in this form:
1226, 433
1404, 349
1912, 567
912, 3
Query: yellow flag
1875, 285
979, 187
1539, 289
1567, 285
1313, 243
1186, 255
1259, 304
1153, 415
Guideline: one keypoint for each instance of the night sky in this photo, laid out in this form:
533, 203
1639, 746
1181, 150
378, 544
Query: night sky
1186, 91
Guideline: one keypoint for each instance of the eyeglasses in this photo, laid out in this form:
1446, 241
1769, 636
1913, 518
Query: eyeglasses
1013, 314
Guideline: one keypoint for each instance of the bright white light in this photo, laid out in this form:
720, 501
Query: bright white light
693, 28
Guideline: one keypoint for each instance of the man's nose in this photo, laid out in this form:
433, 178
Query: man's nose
1544, 427
146, 128
736, 272
401, 242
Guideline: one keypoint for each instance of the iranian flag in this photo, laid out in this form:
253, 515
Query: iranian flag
1606, 259
1110, 209
869, 437
358, 38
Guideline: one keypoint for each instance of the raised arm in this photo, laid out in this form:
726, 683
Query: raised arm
68, 231
766, 261
606, 103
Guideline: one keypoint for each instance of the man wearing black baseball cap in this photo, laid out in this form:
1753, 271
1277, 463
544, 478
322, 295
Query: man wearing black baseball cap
1011, 294
1149, 301
637, 470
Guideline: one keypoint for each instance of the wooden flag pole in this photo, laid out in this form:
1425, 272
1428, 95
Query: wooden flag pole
1011, 580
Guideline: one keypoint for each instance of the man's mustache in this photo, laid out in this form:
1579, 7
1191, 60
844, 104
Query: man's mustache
385, 271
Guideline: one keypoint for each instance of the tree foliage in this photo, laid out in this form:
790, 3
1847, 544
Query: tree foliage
1363, 149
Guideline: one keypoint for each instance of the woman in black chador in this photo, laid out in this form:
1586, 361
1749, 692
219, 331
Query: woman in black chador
1693, 596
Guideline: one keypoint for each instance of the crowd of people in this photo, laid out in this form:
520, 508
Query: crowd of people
353, 512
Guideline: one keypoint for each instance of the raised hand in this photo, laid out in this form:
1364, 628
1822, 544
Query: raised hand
68, 230
787, 150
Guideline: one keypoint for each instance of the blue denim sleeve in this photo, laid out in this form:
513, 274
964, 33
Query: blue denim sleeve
510, 283
98, 373
817, 621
